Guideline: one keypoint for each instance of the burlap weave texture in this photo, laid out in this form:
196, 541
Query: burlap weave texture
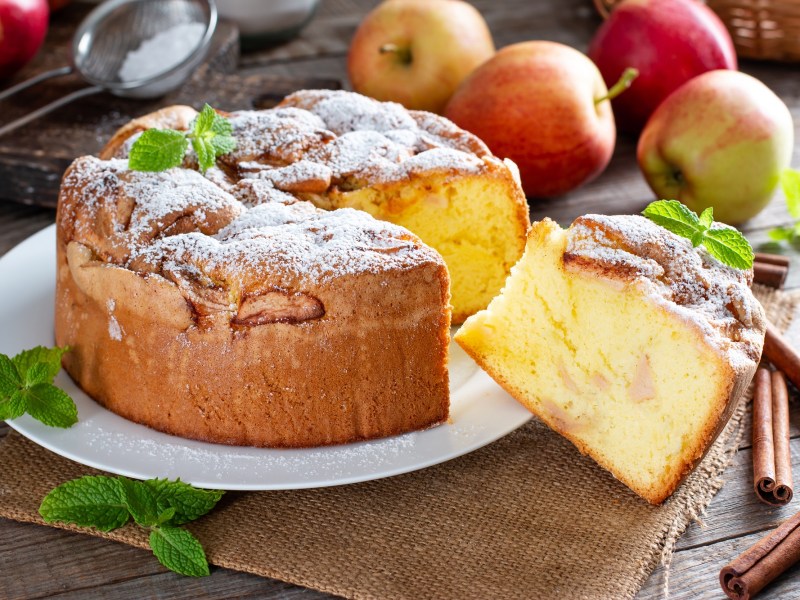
525, 517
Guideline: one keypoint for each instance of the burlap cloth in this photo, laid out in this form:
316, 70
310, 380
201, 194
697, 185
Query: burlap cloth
524, 517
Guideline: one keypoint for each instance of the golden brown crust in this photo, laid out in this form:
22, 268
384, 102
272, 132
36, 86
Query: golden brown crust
327, 381
267, 323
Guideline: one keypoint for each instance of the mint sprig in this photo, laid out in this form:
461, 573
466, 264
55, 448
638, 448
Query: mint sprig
158, 150
26, 386
210, 135
790, 184
724, 243
159, 505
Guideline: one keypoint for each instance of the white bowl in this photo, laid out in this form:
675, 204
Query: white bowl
267, 21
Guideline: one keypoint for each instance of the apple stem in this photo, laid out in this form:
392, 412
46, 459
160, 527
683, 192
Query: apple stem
623, 84
403, 54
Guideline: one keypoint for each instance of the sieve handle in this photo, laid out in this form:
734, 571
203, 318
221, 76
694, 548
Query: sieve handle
47, 108
34, 80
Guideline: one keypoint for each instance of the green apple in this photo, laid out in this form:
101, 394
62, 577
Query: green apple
722, 139
417, 52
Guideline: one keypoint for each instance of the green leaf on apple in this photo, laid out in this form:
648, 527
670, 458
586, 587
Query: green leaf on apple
724, 243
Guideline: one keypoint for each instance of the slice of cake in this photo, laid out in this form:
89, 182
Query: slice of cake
626, 340
339, 149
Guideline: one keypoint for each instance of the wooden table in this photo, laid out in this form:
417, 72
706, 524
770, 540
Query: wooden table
42, 562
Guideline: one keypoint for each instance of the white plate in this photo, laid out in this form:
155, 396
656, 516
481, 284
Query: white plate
481, 412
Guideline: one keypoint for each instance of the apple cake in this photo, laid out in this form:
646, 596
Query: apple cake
246, 315
339, 149
626, 340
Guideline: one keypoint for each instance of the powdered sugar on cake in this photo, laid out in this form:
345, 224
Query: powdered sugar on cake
687, 281
114, 329
256, 234
345, 139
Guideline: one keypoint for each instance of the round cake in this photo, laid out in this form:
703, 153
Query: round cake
250, 317
251, 304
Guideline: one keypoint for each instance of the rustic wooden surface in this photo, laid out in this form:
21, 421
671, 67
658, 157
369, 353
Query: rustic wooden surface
42, 562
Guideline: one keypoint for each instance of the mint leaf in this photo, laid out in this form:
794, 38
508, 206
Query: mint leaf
790, 184
729, 247
204, 122
204, 149
221, 126
223, 140
223, 144
166, 516
179, 551
726, 244
707, 217
48, 356
158, 150
10, 380
25, 386
189, 502
781, 234
13, 407
697, 238
50, 405
91, 501
140, 500
675, 217
38, 373
211, 137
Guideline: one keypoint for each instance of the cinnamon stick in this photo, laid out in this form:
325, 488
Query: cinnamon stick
782, 492
755, 568
772, 462
763, 445
770, 274
772, 259
780, 353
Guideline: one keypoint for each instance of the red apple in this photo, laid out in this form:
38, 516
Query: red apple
720, 140
417, 52
668, 42
542, 105
23, 25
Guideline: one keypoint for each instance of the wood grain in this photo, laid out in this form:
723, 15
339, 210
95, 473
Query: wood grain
693, 574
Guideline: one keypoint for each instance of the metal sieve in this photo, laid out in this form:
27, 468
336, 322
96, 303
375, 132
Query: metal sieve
105, 38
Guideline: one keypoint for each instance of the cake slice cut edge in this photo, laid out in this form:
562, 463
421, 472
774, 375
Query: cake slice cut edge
625, 340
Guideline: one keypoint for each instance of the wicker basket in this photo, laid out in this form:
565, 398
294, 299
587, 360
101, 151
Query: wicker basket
763, 29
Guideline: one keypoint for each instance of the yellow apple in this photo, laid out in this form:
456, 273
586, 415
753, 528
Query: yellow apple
417, 52
722, 139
